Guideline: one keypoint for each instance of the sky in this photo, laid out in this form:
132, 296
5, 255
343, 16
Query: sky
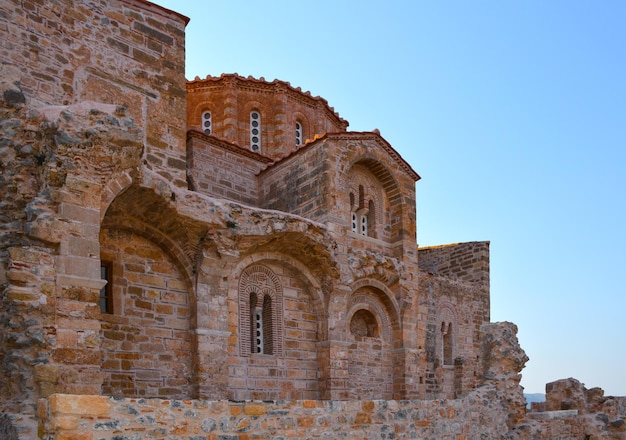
514, 115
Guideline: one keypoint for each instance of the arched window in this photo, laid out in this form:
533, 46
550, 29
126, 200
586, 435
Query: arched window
255, 131
256, 323
268, 324
360, 214
446, 337
298, 133
260, 311
207, 123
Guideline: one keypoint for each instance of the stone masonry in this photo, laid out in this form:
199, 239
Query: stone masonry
223, 259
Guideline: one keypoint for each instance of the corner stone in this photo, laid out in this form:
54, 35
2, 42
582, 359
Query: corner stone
78, 405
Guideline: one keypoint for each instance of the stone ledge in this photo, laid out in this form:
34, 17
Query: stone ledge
550, 415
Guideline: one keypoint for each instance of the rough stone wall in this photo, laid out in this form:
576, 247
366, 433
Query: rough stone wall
231, 98
131, 54
490, 411
79, 416
456, 302
86, 93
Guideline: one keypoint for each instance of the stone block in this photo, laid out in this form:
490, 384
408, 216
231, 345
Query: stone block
63, 404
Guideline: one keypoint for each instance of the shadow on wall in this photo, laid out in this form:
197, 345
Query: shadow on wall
7, 430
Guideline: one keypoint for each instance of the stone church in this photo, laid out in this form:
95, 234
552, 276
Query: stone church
219, 239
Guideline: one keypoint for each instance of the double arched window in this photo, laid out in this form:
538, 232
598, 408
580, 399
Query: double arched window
261, 311
363, 213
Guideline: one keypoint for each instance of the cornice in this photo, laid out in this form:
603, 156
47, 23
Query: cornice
356, 135
262, 86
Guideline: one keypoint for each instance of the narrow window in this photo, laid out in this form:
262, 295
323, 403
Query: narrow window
256, 330
363, 224
298, 133
258, 319
106, 299
355, 223
255, 131
267, 327
447, 343
207, 126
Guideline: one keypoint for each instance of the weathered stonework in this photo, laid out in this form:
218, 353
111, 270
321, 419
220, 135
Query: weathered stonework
160, 279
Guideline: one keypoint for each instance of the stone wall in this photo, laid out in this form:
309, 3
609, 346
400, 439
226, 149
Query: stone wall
222, 170
89, 91
77, 417
299, 184
460, 261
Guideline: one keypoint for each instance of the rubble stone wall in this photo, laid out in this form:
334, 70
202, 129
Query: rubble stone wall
78, 417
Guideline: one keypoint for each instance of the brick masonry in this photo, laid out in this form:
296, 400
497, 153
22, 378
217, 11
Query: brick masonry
277, 292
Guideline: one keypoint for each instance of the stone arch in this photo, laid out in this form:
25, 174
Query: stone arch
148, 340
260, 281
292, 371
389, 206
362, 301
448, 333
386, 297
372, 358
116, 184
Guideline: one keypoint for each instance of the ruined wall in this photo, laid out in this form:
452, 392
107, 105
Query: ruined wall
89, 90
490, 411
454, 286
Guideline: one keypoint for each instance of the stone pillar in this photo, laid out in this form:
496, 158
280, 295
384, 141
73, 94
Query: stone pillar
230, 129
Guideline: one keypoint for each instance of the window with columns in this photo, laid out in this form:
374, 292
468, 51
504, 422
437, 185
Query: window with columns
363, 213
260, 310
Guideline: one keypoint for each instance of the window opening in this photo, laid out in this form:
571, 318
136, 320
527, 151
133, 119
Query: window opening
267, 326
207, 126
298, 133
363, 224
446, 330
255, 131
106, 298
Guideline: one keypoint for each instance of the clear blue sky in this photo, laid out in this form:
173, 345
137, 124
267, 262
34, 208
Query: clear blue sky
513, 113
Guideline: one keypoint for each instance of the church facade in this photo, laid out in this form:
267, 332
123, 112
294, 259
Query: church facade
219, 238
